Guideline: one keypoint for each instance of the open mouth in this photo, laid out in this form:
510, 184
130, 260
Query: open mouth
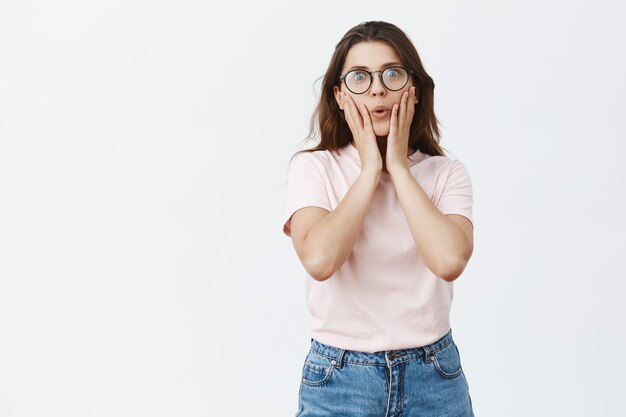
380, 113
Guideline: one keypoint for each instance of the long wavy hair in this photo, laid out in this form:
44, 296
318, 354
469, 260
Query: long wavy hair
328, 121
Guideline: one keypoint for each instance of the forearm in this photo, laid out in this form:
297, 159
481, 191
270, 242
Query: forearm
334, 236
439, 241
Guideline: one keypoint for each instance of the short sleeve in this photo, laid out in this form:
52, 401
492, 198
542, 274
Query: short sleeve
457, 194
305, 187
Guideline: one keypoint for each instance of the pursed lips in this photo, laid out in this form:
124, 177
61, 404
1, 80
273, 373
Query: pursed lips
379, 111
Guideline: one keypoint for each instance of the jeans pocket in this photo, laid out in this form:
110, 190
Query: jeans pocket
447, 361
317, 369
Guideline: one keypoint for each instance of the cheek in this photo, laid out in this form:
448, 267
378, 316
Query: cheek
357, 101
398, 99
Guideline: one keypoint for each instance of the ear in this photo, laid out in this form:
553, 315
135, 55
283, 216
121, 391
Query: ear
337, 96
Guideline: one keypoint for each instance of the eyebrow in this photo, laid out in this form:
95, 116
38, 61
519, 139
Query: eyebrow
366, 68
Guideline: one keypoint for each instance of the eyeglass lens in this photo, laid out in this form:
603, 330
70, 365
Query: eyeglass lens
394, 78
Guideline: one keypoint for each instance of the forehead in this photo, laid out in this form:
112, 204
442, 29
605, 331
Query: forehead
371, 54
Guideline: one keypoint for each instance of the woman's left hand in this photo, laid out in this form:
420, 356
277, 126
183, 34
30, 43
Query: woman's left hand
399, 127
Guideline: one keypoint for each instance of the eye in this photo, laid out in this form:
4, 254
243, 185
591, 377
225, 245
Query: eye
359, 75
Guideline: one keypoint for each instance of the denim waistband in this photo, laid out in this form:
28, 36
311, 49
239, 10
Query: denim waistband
339, 356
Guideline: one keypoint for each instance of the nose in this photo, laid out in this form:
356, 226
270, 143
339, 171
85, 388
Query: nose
377, 87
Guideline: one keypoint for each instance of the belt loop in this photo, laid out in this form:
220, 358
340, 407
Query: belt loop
426, 354
339, 361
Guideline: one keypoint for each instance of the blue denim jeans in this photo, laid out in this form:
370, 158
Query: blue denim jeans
425, 381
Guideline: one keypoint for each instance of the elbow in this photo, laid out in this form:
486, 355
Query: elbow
453, 267
319, 276
319, 270
452, 270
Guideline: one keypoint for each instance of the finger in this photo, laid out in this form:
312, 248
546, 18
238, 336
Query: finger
354, 113
348, 111
393, 125
346, 108
408, 108
402, 110
411, 104
367, 121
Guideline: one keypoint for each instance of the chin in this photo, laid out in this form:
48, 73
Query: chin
381, 127
381, 131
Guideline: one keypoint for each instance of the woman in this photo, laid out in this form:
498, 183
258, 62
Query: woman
381, 220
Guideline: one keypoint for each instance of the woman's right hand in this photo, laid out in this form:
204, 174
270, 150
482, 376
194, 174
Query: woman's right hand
360, 124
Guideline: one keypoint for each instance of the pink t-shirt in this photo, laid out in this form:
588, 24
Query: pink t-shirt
383, 297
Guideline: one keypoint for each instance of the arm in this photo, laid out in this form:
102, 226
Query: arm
444, 242
326, 246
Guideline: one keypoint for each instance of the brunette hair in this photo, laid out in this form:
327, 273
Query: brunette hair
328, 121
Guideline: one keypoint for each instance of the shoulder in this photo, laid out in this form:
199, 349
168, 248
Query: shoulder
441, 163
443, 172
309, 165
319, 156
321, 159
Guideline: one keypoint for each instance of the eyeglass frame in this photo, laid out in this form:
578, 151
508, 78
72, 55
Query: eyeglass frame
380, 75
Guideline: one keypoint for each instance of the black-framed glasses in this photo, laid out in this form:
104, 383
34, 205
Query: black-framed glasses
394, 78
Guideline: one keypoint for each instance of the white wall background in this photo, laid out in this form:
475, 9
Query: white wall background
143, 153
